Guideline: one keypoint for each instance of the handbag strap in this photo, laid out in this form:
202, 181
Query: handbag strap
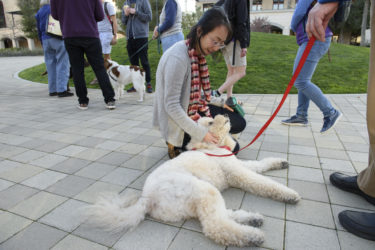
107, 14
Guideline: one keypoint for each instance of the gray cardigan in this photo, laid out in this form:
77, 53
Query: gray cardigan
172, 95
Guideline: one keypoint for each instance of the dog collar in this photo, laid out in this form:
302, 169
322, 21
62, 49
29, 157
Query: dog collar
225, 147
112, 77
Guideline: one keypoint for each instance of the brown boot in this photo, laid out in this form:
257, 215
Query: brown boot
173, 151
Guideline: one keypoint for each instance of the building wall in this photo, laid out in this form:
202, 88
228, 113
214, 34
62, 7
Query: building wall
13, 30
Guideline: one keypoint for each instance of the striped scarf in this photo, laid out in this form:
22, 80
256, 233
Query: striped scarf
200, 78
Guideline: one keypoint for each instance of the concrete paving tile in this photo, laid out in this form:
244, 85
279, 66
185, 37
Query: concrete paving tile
265, 154
95, 170
35, 237
13, 139
10, 151
352, 139
70, 186
51, 147
349, 241
4, 184
70, 166
138, 183
98, 235
358, 156
308, 142
302, 150
122, 176
10, 224
49, 160
44, 179
332, 153
187, 239
359, 166
70, 138
90, 194
33, 144
315, 191
233, 197
28, 156
38, 205
67, 216
115, 158
303, 161
71, 150
90, 142
248, 154
145, 139
340, 197
131, 148
73, 242
106, 134
305, 174
311, 212
276, 138
140, 162
332, 144
337, 165
301, 236
193, 225
92, 154
275, 147
356, 147
264, 206
110, 145
148, 235
14, 194
154, 152
19, 171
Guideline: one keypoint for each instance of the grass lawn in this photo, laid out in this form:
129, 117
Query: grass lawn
270, 63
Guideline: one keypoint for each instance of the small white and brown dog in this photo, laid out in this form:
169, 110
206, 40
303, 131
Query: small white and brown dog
189, 186
122, 75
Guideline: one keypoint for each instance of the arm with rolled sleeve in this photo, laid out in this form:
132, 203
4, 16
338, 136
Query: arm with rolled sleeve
170, 16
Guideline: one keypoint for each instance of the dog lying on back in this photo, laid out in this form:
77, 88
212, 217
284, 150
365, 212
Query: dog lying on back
122, 75
189, 186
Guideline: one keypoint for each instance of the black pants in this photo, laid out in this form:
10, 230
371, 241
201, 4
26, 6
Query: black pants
133, 46
92, 47
237, 122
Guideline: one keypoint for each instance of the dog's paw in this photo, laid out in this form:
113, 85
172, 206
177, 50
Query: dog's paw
256, 221
284, 164
292, 198
256, 239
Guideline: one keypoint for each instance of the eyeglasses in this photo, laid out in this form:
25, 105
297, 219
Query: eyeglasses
215, 43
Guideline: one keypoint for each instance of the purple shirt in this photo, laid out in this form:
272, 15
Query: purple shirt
302, 37
78, 18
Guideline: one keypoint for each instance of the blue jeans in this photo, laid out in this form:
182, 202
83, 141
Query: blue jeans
57, 63
306, 89
168, 41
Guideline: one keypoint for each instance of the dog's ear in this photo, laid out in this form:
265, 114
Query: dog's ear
115, 71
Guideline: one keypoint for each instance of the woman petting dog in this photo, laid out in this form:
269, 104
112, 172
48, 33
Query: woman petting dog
181, 75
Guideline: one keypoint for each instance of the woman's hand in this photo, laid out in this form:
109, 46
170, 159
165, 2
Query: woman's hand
211, 138
156, 33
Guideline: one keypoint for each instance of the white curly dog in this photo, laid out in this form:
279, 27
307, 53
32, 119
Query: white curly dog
189, 186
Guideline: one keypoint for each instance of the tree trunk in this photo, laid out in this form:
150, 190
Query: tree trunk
364, 22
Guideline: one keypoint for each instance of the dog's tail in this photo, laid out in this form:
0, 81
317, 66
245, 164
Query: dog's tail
115, 213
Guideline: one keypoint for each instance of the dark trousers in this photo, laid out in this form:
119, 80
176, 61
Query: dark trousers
237, 122
76, 48
133, 46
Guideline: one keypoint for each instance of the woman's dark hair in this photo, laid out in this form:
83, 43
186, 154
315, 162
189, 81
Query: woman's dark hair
210, 20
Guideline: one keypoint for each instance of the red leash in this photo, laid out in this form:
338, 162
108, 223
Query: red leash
290, 85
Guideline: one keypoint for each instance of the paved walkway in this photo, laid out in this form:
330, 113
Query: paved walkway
55, 159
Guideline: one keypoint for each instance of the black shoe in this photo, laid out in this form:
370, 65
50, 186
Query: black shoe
53, 94
349, 184
359, 223
149, 88
65, 94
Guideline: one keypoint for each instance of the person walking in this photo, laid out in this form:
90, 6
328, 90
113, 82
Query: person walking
78, 21
306, 89
55, 55
235, 51
359, 223
169, 30
136, 15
